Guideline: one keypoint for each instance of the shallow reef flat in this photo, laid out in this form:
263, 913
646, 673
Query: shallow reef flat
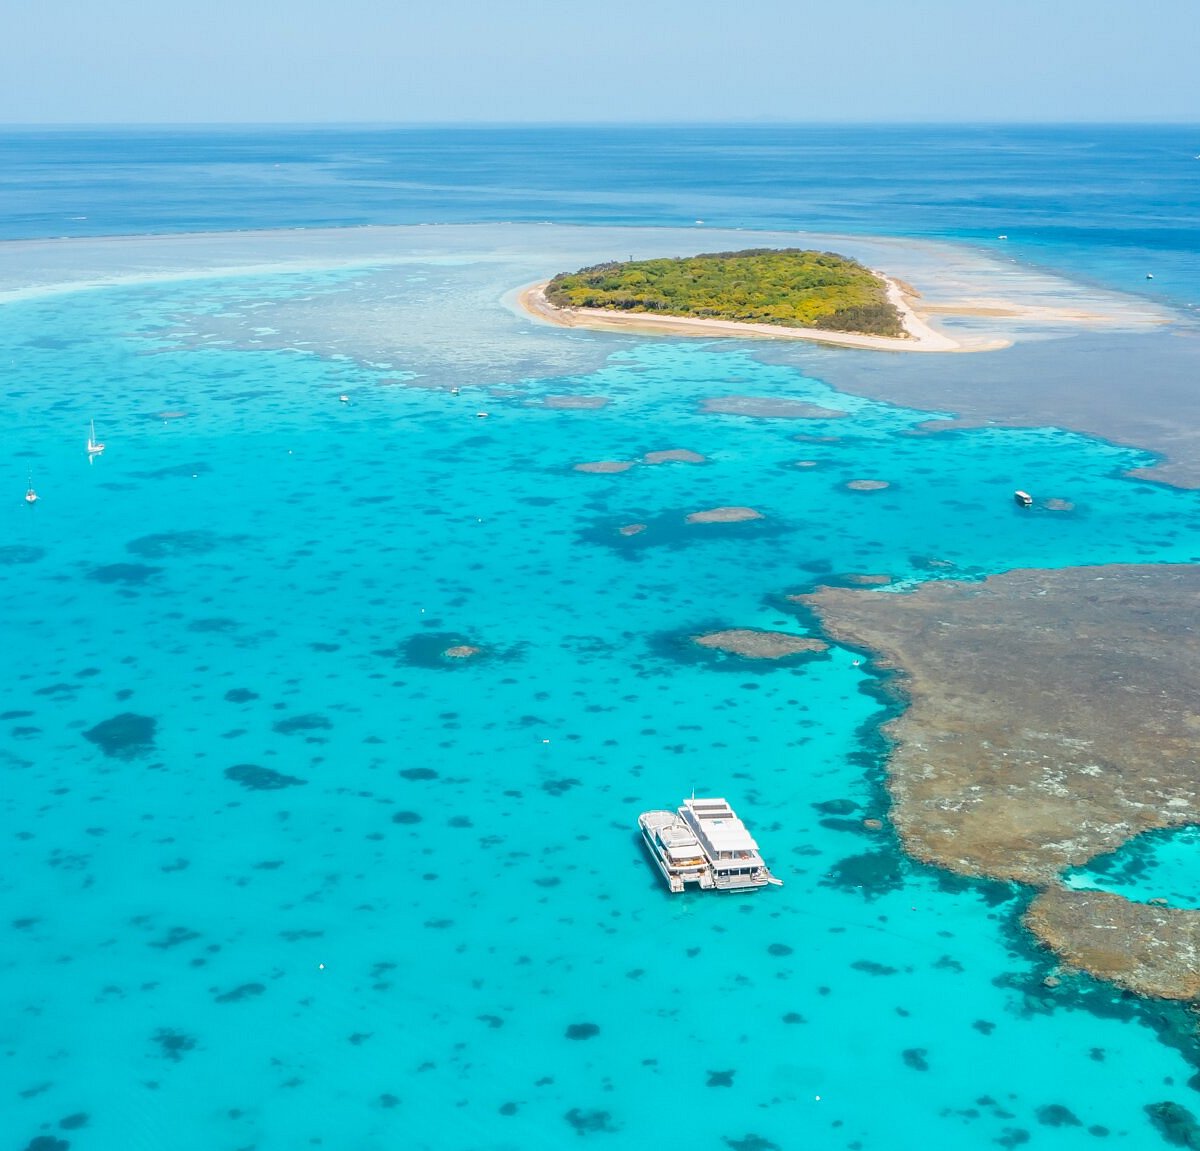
1051, 717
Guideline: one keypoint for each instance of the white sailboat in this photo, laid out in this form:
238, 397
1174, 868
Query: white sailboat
30, 494
94, 446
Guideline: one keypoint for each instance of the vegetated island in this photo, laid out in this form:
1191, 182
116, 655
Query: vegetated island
765, 292
788, 287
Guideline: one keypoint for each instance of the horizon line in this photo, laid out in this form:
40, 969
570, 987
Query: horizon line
753, 122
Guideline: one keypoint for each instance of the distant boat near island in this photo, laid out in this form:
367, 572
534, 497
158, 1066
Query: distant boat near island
1023, 499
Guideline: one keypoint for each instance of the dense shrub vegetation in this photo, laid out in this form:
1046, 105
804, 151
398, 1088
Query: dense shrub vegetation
791, 287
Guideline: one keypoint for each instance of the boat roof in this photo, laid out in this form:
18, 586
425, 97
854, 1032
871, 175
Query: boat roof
715, 819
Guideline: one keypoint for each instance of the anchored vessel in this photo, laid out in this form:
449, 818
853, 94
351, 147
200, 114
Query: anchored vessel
704, 843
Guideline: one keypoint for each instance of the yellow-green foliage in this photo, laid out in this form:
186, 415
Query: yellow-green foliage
791, 287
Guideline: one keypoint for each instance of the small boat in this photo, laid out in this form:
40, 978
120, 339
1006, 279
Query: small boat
30, 495
704, 842
94, 446
1023, 499
345, 399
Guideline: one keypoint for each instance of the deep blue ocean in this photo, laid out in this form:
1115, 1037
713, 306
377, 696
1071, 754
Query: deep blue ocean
279, 873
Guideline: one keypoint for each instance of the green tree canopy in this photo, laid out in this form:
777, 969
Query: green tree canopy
791, 287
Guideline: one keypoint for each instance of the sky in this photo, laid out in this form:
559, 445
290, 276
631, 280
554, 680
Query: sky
477, 61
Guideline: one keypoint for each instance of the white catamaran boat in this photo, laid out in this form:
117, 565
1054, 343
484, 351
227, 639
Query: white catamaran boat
675, 849
704, 843
94, 446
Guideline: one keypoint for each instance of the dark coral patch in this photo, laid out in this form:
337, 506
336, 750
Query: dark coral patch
870, 967
175, 937
582, 1031
407, 817
124, 736
418, 773
1056, 1115
174, 1044
162, 545
245, 991
296, 723
720, 1079
133, 574
20, 554
558, 787
1013, 1137
47, 1143
438, 649
71, 1122
255, 778
1175, 1123
213, 624
779, 949
751, 1143
240, 695
585, 1122
914, 1057
873, 873
836, 807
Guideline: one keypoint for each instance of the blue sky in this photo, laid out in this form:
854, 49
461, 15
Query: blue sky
421, 61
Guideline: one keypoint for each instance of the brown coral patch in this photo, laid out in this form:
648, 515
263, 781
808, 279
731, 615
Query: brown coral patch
462, 651
1057, 505
631, 529
868, 485
752, 643
1149, 949
729, 515
1052, 713
575, 403
768, 408
604, 467
674, 455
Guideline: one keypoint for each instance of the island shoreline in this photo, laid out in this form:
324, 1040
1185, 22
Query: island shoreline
919, 336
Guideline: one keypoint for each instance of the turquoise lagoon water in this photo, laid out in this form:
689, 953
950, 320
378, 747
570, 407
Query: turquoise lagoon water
1154, 865
278, 875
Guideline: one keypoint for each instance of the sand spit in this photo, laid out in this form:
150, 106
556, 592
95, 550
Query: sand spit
751, 643
1052, 717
